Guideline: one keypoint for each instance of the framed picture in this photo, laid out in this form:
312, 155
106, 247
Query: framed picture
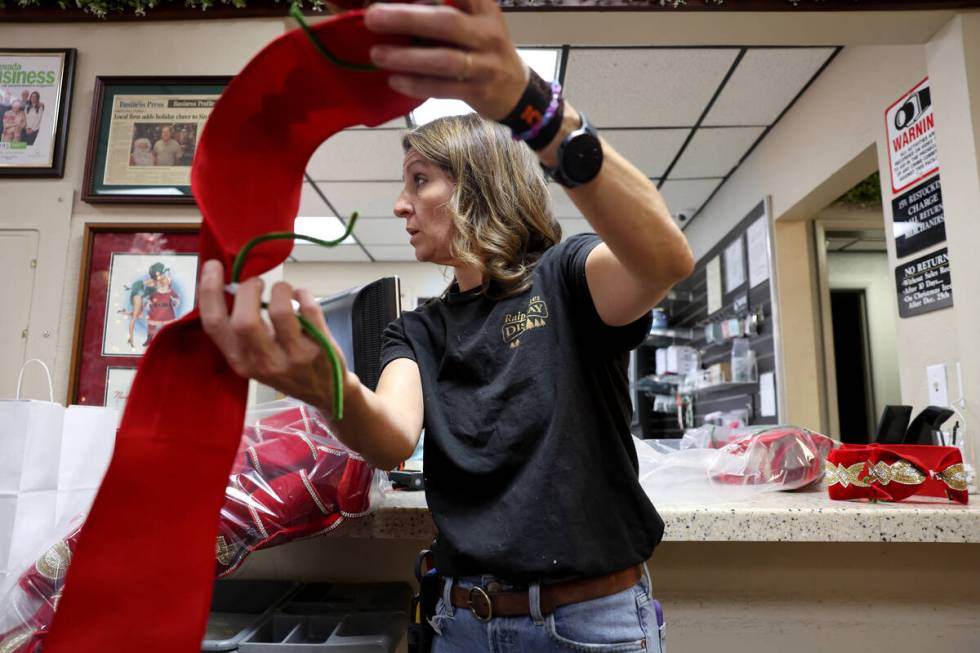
134, 279
143, 135
35, 104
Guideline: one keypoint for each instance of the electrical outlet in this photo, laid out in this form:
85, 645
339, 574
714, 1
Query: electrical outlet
938, 392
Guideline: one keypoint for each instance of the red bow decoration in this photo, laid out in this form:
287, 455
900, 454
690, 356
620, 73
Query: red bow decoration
144, 564
896, 472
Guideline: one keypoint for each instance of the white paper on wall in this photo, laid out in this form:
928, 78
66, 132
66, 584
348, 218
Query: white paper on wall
767, 394
734, 265
713, 272
758, 252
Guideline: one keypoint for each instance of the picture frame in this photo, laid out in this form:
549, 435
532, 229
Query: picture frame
33, 138
143, 135
134, 278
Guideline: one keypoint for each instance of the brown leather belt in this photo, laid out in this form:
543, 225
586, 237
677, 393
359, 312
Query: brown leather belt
485, 604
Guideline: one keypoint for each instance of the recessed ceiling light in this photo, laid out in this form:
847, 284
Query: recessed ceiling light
543, 61
322, 227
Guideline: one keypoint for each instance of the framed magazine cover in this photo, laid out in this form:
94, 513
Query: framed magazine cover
143, 136
35, 104
134, 279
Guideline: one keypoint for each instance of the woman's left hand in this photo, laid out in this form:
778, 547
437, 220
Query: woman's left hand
471, 57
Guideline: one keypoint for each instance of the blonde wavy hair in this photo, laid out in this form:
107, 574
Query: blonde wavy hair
501, 209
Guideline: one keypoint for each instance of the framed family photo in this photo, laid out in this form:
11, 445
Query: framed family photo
35, 104
134, 280
143, 136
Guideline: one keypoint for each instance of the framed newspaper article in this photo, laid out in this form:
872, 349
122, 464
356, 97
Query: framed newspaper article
35, 103
143, 135
134, 280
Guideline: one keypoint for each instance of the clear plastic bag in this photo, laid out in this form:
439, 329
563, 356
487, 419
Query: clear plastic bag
291, 479
718, 465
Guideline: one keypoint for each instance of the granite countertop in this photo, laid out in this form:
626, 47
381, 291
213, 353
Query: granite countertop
804, 516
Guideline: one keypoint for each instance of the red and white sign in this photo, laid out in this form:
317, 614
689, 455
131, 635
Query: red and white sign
911, 127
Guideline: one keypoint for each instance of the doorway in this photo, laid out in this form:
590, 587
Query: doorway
852, 360
858, 313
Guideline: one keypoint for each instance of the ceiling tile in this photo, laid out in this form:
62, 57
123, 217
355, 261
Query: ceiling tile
363, 154
650, 150
764, 84
340, 254
714, 152
837, 244
867, 246
374, 199
684, 195
311, 204
572, 227
400, 122
381, 231
645, 87
392, 252
562, 206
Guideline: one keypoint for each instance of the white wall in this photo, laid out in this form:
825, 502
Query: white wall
52, 207
869, 271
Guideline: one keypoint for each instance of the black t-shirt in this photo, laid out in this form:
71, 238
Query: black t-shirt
530, 469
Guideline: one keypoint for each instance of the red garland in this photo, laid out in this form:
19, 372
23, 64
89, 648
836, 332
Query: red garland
144, 566
893, 473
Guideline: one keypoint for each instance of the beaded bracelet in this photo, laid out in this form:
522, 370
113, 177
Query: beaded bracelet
553, 109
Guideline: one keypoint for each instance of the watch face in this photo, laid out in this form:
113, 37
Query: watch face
582, 157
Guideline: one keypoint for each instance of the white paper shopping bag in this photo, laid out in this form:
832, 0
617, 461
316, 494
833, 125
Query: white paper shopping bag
89, 434
30, 450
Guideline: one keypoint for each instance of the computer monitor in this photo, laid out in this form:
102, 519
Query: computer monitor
357, 318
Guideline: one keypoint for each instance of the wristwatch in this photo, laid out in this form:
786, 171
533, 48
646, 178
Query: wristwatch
579, 157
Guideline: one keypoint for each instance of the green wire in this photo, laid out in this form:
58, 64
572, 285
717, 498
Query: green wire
295, 12
307, 326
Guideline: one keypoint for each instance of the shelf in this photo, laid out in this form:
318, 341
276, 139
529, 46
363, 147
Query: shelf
680, 296
667, 337
749, 387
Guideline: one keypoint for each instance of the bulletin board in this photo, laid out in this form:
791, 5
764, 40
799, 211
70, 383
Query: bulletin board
734, 279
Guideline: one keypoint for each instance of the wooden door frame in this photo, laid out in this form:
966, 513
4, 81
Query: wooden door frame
820, 228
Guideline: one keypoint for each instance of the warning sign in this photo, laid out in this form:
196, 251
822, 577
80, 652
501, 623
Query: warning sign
911, 128
918, 219
924, 285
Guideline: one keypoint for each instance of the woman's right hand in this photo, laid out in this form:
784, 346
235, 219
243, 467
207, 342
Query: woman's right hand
277, 354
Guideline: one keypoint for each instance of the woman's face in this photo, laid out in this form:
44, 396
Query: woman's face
35, 99
423, 203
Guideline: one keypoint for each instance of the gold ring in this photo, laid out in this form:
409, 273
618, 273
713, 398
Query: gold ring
467, 60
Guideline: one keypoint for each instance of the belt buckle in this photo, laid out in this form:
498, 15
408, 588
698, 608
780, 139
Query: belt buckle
472, 607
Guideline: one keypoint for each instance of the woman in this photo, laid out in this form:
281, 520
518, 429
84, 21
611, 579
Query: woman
518, 372
161, 302
33, 114
14, 122
136, 294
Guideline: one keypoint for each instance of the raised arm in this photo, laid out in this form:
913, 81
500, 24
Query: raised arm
644, 253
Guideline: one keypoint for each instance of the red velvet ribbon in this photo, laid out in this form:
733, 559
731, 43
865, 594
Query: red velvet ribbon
852, 472
142, 573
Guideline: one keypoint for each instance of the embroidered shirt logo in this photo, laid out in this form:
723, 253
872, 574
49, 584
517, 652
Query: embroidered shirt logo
516, 324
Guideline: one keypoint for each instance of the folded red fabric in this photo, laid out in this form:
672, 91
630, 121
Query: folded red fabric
143, 568
785, 456
896, 472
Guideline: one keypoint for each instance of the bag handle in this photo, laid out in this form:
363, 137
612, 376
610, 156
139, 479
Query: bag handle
47, 372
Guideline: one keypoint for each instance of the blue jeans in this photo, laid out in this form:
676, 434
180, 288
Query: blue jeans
626, 622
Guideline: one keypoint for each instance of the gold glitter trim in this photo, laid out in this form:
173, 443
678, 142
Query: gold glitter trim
901, 471
53, 565
845, 475
15, 640
954, 476
224, 552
